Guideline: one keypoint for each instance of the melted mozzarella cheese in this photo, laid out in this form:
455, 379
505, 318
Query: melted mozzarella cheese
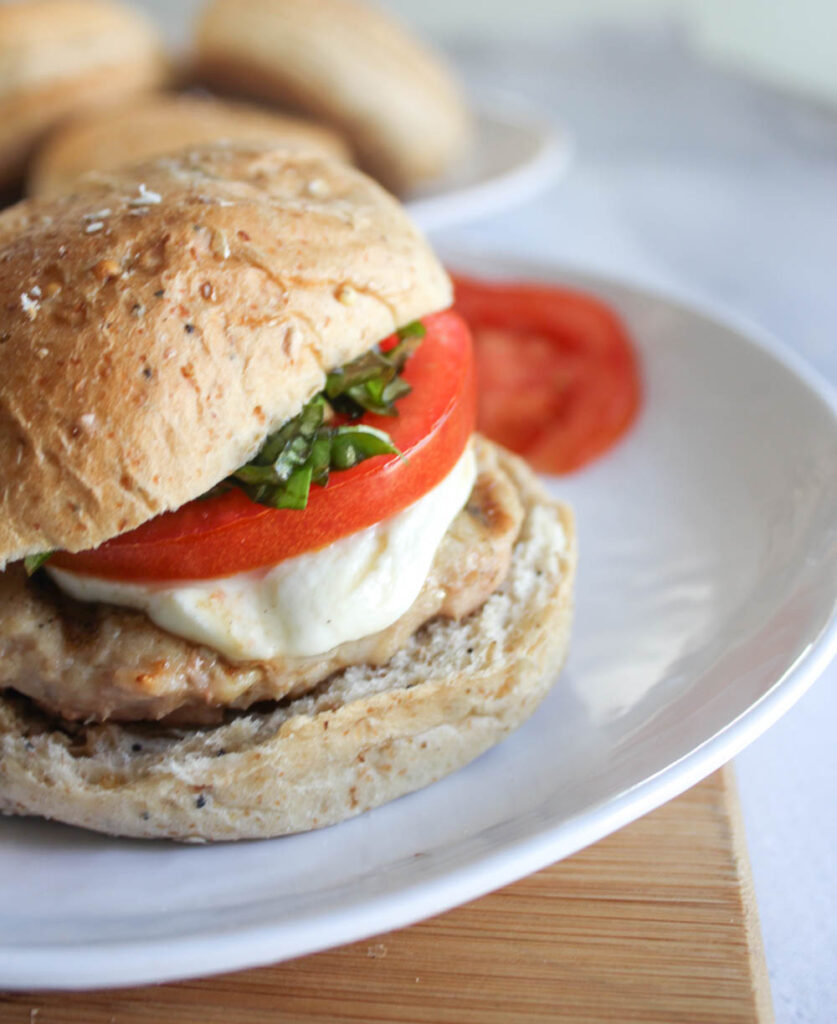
305, 605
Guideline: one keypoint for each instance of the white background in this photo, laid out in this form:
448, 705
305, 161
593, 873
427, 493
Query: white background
691, 177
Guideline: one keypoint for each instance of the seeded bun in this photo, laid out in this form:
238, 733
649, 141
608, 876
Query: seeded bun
62, 56
366, 736
150, 126
160, 321
346, 64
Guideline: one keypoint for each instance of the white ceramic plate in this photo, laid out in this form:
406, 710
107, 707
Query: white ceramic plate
516, 154
707, 584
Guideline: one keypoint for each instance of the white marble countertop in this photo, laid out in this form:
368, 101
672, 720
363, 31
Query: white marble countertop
688, 177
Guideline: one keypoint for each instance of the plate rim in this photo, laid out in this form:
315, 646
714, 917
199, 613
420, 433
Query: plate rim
478, 201
187, 956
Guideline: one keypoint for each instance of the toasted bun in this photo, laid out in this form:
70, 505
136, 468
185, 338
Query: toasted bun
349, 65
161, 321
365, 737
150, 126
62, 56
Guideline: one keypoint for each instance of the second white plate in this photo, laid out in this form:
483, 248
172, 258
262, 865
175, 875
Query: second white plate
516, 154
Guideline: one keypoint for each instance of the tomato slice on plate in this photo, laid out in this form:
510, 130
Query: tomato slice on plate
229, 533
559, 381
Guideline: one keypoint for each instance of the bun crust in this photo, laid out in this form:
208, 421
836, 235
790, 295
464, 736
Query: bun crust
159, 322
151, 126
348, 65
366, 736
61, 56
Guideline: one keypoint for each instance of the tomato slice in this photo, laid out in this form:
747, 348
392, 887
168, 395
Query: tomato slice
559, 380
230, 533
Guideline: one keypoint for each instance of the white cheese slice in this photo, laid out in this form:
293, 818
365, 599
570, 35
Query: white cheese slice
305, 605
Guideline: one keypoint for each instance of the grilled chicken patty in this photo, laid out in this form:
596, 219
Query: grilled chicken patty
99, 662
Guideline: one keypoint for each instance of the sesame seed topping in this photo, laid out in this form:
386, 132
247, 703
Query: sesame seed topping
30, 306
106, 270
94, 226
219, 245
98, 215
347, 295
146, 197
215, 201
88, 420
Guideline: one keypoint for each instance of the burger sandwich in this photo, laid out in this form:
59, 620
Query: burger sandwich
257, 571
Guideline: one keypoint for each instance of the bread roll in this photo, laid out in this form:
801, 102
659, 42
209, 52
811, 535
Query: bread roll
150, 126
58, 57
349, 65
161, 321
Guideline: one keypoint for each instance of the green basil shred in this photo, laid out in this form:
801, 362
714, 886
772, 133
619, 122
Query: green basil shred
306, 449
34, 562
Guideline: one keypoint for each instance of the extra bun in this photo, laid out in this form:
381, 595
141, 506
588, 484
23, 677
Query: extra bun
366, 736
159, 322
151, 126
61, 56
349, 65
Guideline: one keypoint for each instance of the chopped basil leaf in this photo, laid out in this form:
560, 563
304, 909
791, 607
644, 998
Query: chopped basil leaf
332, 448
371, 383
352, 445
320, 458
34, 562
294, 494
414, 329
306, 449
286, 448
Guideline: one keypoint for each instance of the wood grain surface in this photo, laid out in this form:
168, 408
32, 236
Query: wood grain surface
655, 924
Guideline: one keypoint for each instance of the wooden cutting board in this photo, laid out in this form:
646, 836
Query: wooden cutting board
656, 923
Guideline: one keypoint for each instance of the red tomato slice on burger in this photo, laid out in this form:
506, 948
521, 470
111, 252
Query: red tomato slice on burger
229, 534
559, 381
